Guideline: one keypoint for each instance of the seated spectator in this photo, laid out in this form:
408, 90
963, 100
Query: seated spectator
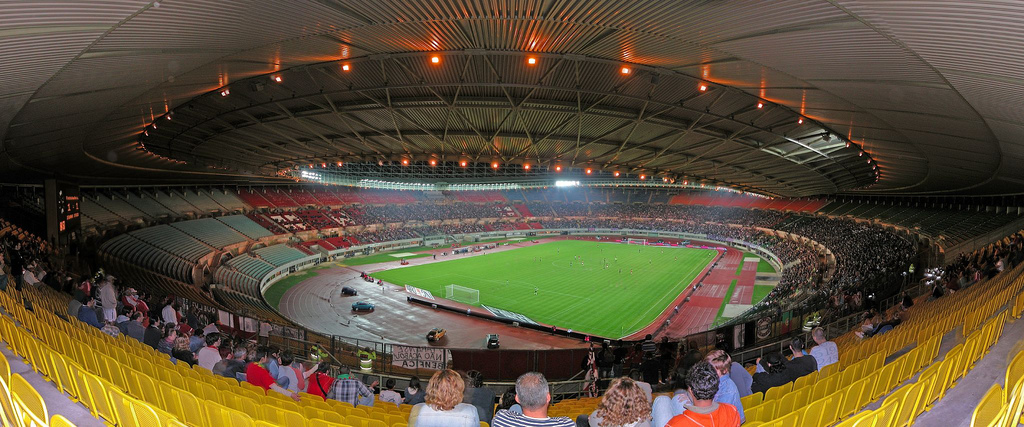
800, 364
153, 333
414, 393
479, 396
320, 383
665, 408
727, 390
741, 377
170, 333
772, 373
197, 341
133, 327
702, 384
351, 390
443, 406
232, 365
534, 396
87, 314
624, 404
257, 374
293, 372
209, 355
110, 328
825, 352
182, 352
508, 401
390, 395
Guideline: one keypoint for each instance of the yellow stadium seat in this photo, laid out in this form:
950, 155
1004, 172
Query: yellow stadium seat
792, 401
764, 412
357, 421
885, 414
29, 408
237, 419
777, 392
121, 403
751, 400
316, 422
990, 408
59, 421
862, 419
851, 399
787, 420
805, 380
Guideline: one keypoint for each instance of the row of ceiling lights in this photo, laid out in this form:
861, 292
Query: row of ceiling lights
531, 61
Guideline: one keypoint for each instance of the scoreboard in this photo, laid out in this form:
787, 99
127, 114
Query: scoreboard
63, 210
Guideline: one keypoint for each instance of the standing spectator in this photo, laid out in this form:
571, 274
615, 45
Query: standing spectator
108, 298
131, 299
727, 390
825, 352
390, 395
181, 351
351, 390
443, 406
702, 383
209, 355
414, 392
623, 405
534, 396
256, 374
169, 313
479, 396
648, 345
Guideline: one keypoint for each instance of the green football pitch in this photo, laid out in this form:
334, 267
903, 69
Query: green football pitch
549, 284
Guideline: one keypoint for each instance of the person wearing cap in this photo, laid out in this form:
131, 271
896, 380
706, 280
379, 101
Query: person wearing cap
108, 299
131, 299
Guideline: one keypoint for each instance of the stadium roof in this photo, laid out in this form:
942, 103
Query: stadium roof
930, 89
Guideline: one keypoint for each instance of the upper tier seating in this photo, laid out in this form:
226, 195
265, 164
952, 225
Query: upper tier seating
174, 202
174, 241
246, 226
202, 201
278, 198
226, 199
131, 249
210, 231
119, 207
146, 203
279, 255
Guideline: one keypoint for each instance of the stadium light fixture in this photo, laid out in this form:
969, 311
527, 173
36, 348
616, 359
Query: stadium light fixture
760, 105
323, 165
494, 165
531, 60
563, 183
168, 116
616, 174
800, 121
345, 67
558, 168
526, 166
643, 177
703, 87
625, 70
435, 59
860, 153
589, 171
462, 163
405, 162
278, 79
339, 164
433, 162
225, 92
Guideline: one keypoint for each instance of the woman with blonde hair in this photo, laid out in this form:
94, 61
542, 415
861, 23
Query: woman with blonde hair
443, 405
623, 405
181, 350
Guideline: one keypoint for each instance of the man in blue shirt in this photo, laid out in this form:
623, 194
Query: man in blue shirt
87, 314
727, 390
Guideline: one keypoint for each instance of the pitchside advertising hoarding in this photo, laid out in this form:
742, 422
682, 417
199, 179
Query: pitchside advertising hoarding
420, 357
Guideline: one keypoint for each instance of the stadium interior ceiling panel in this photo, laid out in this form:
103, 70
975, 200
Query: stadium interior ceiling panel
930, 89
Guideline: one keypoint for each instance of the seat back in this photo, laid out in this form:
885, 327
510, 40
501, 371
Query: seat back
28, 405
990, 408
751, 400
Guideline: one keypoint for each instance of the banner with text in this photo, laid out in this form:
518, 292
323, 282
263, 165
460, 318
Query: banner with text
420, 357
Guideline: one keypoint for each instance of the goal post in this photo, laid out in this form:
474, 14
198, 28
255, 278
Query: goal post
462, 294
632, 241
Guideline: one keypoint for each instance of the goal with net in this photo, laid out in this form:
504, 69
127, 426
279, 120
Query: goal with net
637, 241
462, 294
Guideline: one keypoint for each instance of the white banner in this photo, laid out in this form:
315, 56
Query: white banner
420, 357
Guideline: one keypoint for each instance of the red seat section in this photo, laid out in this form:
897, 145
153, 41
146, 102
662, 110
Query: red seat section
253, 199
279, 198
523, 210
304, 199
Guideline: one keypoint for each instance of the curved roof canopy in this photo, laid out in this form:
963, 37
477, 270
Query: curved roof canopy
776, 97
